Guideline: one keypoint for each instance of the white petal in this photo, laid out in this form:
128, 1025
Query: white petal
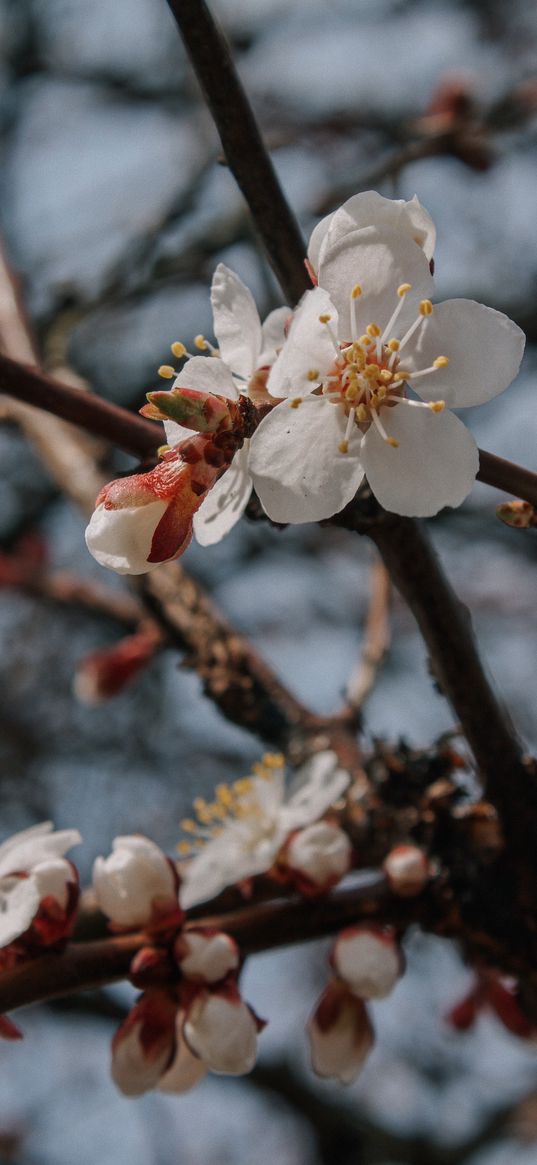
434, 466
379, 261
209, 872
133, 1070
317, 784
369, 209
207, 374
223, 1033
368, 961
11, 845
236, 322
127, 882
121, 539
36, 844
273, 334
484, 348
339, 1048
321, 852
186, 1069
295, 463
226, 501
308, 348
19, 903
52, 878
206, 957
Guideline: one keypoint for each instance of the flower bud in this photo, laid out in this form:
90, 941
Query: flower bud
320, 853
368, 960
106, 672
144, 1045
222, 1031
407, 870
186, 1069
340, 1034
134, 882
206, 955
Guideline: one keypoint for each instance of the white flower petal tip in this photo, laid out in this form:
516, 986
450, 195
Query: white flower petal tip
32, 871
237, 326
340, 1035
207, 374
253, 820
226, 501
135, 883
369, 209
407, 869
206, 956
121, 539
222, 1030
320, 854
144, 1045
368, 960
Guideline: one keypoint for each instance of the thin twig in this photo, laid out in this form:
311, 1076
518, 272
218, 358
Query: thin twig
376, 640
237, 127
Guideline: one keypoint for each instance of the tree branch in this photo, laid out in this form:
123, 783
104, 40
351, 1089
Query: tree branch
243, 146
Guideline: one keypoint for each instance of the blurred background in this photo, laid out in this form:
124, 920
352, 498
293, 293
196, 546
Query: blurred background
115, 209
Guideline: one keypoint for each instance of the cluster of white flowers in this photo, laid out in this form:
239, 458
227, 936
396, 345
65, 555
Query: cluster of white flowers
358, 381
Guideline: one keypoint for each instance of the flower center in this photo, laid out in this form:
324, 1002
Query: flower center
368, 373
235, 802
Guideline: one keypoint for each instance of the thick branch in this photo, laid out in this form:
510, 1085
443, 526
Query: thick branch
95, 415
85, 966
243, 146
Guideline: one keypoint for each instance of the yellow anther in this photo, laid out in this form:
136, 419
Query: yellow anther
364, 341
313, 374
393, 345
437, 406
381, 392
295, 402
371, 370
386, 375
188, 825
162, 450
403, 288
274, 760
178, 349
403, 374
351, 392
441, 362
200, 342
391, 441
373, 330
373, 401
325, 318
224, 795
243, 785
184, 847
426, 307
361, 414
343, 446
356, 291
166, 371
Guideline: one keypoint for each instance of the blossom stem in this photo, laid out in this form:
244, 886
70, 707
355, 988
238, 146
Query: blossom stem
243, 145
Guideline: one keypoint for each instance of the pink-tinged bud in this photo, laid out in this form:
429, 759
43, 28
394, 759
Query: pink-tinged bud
368, 960
8, 1029
504, 999
204, 412
205, 955
222, 1031
320, 854
107, 672
340, 1033
135, 883
144, 1046
407, 870
186, 1069
151, 967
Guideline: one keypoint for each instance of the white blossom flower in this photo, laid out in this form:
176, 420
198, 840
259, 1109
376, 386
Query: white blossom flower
246, 826
368, 960
340, 1034
370, 209
32, 867
222, 1030
133, 880
321, 853
358, 342
246, 349
144, 1045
